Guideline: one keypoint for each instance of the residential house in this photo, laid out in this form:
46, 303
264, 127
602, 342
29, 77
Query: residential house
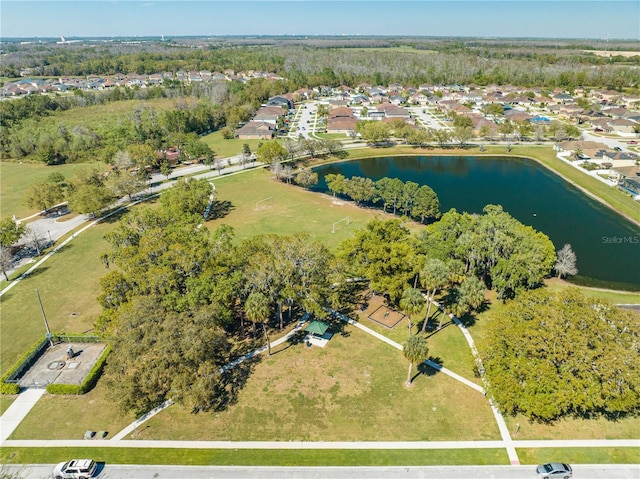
269, 114
256, 130
629, 178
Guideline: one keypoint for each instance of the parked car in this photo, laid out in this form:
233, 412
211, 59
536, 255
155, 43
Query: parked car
75, 469
617, 148
554, 469
632, 142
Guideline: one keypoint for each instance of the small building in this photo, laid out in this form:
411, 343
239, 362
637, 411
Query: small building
317, 334
256, 130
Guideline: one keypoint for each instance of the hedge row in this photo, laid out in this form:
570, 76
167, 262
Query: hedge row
88, 383
13, 388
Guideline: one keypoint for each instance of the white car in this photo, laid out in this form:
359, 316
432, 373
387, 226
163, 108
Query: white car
75, 469
554, 469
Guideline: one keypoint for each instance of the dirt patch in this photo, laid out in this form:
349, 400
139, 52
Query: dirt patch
375, 308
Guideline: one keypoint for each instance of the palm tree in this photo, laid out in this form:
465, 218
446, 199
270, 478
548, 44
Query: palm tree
468, 296
433, 277
257, 310
411, 303
415, 349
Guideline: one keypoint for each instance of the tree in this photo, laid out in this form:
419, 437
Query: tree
187, 200
566, 261
35, 239
551, 355
390, 191
90, 199
411, 303
433, 277
415, 350
271, 151
426, 205
10, 232
44, 195
165, 169
381, 252
245, 156
467, 297
6, 260
125, 183
361, 190
336, 183
257, 310
462, 134
505, 128
306, 177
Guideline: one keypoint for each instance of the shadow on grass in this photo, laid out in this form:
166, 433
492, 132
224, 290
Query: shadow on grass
35, 272
295, 339
220, 209
231, 383
114, 217
427, 370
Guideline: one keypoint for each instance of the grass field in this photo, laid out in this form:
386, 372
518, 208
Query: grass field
259, 457
68, 283
292, 209
226, 148
16, 178
350, 390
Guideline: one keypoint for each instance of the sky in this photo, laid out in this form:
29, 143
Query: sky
598, 19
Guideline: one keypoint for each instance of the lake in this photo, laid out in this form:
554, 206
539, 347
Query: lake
606, 244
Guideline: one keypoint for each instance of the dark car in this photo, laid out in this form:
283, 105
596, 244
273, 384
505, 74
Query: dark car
617, 148
554, 469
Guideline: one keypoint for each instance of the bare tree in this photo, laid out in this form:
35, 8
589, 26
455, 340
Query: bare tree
34, 239
6, 260
566, 261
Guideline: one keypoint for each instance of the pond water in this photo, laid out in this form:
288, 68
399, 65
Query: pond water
606, 244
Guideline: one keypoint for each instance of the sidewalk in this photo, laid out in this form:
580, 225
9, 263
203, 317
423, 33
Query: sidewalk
18, 411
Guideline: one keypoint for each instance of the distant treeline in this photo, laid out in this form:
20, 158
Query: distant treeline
331, 62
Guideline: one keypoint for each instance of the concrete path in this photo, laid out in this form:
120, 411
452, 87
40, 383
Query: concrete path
18, 411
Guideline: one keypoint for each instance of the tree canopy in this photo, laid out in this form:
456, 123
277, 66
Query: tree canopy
550, 355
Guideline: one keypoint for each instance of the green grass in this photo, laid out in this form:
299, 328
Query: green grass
68, 417
351, 390
447, 344
258, 457
592, 455
16, 178
574, 428
226, 148
616, 297
293, 209
5, 402
68, 283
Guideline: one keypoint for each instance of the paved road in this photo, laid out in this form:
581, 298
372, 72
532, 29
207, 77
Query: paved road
238, 472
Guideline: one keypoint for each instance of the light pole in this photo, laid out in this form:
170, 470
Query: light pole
50, 240
44, 317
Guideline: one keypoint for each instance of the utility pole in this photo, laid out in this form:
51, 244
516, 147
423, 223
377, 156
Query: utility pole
44, 317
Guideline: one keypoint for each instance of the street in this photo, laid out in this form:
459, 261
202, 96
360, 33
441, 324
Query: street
109, 471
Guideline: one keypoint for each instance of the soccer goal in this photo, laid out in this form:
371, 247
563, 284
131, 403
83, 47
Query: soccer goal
264, 203
338, 225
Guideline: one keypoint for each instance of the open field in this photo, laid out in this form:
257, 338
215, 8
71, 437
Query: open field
259, 457
293, 209
226, 148
16, 178
613, 53
68, 285
350, 390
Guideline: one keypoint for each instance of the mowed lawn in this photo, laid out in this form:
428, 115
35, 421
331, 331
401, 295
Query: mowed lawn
289, 209
225, 148
16, 179
353, 389
68, 284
